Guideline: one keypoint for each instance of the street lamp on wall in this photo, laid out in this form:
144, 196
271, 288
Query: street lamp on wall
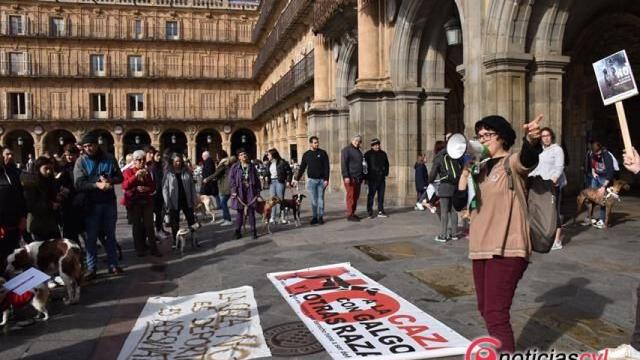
100, 140
173, 139
243, 139
209, 139
453, 32
61, 141
20, 141
137, 139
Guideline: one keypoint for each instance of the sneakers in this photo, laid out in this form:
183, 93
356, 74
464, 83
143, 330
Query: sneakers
116, 270
272, 221
599, 224
314, 221
321, 221
226, 223
284, 221
453, 237
382, 214
353, 218
589, 221
440, 239
419, 207
556, 245
237, 235
622, 352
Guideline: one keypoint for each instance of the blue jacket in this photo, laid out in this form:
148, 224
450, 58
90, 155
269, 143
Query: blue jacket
88, 170
422, 177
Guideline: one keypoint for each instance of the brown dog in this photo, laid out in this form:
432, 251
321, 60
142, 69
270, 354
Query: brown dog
264, 208
610, 197
292, 205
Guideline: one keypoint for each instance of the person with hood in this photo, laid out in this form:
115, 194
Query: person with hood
245, 191
447, 171
95, 174
499, 237
139, 187
179, 193
280, 177
13, 214
42, 200
377, 171
221, 176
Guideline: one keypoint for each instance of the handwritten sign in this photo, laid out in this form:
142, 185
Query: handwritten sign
26, 281
212, 325
352, 316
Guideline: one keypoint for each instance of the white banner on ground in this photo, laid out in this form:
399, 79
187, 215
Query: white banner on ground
212, 325
353, 316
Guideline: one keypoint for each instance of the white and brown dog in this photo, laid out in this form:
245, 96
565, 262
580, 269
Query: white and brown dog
58, 256
184, 235
206, 206
9, 300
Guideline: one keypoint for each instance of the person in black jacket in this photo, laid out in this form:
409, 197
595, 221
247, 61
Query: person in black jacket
209, 186
13, 214
377, 171
447, 171
317, 177
353, 171
42, 200
72, 224
280, 175
421, 178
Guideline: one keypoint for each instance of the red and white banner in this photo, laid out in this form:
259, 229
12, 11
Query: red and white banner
353, 316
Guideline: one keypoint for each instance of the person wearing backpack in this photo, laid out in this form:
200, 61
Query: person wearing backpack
599, 165
499, 235
447, 171
551, 168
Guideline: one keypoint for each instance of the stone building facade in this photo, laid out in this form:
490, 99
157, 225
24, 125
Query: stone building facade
174, 74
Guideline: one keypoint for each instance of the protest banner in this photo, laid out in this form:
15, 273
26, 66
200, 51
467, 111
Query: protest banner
616, 83
352, 316
211, 325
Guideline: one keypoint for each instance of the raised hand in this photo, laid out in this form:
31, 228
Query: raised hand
532, 129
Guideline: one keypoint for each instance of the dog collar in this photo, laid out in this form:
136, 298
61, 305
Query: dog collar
610, 193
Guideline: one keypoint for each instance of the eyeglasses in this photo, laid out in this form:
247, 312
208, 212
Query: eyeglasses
486, 136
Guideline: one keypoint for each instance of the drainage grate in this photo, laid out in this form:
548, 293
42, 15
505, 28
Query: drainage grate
291, 339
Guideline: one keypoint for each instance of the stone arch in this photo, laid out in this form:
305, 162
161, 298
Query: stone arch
55, 141
208, 140
173, 141
135, 139
506, 29
346, 70
21, 143
246, 139
105, 140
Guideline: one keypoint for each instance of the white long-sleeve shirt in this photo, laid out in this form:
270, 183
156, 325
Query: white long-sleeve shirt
551, 164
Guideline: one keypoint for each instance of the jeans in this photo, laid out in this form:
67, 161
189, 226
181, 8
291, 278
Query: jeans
496, 281
448, 215
174, 216
142, 227
101, 220
316, 189
353, 193
276, 189
224, 205
597, 183
377, 186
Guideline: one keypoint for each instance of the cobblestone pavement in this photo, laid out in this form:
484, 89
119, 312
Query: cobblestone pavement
576, 298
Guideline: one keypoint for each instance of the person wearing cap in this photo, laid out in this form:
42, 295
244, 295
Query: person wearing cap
377, 171
353, 172
245, 191
94, 175
499, 239
139, 187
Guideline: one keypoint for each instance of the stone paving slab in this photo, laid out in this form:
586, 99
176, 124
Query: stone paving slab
563, 296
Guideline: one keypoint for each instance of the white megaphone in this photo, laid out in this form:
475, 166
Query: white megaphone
458, 146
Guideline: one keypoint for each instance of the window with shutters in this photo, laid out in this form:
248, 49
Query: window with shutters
18, 63
135, 65
208, 31
136, 105
98, 106
209, 66
18, 105
55, 64
100, 27
97, 65
171, 30
243, 101
137, 29
57, 28
173, 66
58, 105
16, 25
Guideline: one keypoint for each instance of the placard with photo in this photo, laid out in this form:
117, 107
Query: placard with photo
615, 78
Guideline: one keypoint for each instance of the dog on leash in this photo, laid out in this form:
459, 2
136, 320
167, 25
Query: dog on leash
292, 205
206, 206
264, 208
37, 297
185, 235
57, 256
590, 196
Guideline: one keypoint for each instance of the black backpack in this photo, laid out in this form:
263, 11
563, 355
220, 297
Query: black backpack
540, 208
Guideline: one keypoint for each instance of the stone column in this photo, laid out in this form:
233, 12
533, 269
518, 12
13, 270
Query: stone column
118, 147
546, 91
368, 45
433, 120
191, 149
506, 88
38, 145
322, 58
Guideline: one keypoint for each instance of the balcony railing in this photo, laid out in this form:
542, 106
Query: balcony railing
125, 32
324, 10
266, 9
300, 75
149, 70
123, 114
199, 4
289, 17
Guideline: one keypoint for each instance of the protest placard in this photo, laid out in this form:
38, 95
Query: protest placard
211, 325
353, 316
26, 281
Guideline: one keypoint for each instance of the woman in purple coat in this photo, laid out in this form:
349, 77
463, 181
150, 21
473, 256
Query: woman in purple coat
245, 191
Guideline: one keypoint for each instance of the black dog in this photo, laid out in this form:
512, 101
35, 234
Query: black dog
293, 205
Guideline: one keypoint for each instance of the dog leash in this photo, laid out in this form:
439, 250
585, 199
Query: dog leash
610, 193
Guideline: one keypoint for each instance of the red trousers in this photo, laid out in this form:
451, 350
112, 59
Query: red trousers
496, 281
353, 193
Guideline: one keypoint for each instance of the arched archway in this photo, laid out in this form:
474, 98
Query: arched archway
173, 141
208, 140
55, 141
135, 139
244, 139
21, 144
105, 140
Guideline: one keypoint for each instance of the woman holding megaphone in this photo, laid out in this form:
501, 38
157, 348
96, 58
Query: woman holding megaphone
499, 241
